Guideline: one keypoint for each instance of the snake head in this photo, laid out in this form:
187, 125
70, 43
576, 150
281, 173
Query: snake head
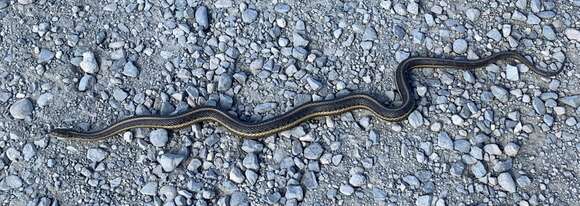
62, 133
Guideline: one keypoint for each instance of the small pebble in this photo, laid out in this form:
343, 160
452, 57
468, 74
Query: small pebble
21, 109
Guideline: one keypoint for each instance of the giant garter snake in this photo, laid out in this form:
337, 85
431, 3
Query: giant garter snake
306, 111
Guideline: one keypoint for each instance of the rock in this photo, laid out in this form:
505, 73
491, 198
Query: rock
299, 41
294, 192
523, 181
45, 55
413, 8
21, 109
460, 46
250, 146
25, 2
220, 4
573, 101
239, 199
572, 34
13, 154
264, 107
424, 200
548, 32
202, 17
457, 168
194, 164
251, 161
96, 154
28, 151
150, 188
309, 180
506, 182
411, 180
249, 15
457, 120
170, 161
313, 83
357, 180
346, 190
492, 149
313, 151
236, 175
444, 141
44, 99
89, 63
538, 105
512, 73
415, 119
4, 3
86, 82
472, 14
511, 149
119, 94
462, 145
500, 93
10, 182
224, 82
130, 70
251, 177
370, 34
158, 137
478, 170
494, 34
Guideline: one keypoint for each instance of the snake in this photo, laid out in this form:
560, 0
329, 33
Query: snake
306, 111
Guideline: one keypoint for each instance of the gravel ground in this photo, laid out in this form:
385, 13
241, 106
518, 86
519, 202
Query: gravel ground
498, 136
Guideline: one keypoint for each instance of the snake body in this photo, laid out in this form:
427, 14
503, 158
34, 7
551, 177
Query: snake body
306, 111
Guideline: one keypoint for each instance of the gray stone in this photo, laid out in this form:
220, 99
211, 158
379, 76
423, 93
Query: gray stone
523, 181
460, 46
478, 170
11, 182
130, 70
370, 34
119, 94
512, 73
298, 40
251, 161
538, 105
170, 161
357, 180
89, 63
44, 99
413, 7
573, 101
236, 175
313, 151
444, 141
511, 149
202, 17
424, 200
13, 154
45, 55
28, 151
472, 14
96, 154
415, 119
533, 19
251, 177
21, 109
194, 164
249, 15
548, 32
224, 82
294, 192
265, 107
299, 53
86, 82
411, 180
220, 4
159, 137
494, 34
150, 188
492, 149
506, 182
516, 15
25, 2
313, 83
457, 168
462, 145
346, 190
500, 93
4, 3
250, 146
572, 34
282, 8
239, 199
309, 180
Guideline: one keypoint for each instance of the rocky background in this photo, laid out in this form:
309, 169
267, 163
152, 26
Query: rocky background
499, 135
